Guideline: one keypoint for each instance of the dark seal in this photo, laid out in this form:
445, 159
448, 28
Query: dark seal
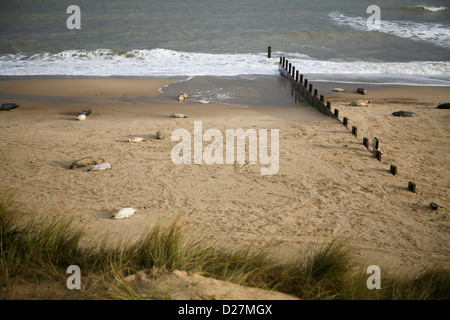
443, 106
8, 106
404, 114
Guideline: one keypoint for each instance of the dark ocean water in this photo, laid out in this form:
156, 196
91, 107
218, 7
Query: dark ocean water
326, 40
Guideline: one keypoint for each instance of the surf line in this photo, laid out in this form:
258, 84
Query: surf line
214, 152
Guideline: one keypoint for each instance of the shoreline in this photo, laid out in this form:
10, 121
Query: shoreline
328, 184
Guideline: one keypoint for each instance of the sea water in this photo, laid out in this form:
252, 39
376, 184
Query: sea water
325, 40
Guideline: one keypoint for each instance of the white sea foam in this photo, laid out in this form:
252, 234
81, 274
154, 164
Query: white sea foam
427, 8
433, 33
162, 62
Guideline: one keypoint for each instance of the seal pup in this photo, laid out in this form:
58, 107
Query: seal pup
100, 166
137, 139
162, 134
87, 161
177, 115
124, 213
404, 114
81, 117
360, 103
338, 90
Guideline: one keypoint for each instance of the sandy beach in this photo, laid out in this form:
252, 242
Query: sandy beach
328, 184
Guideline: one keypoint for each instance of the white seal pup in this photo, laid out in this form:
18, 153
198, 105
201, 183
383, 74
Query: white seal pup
100, 166
338, 90
81, 117
360, 103
124, 213
177, 115
137, 139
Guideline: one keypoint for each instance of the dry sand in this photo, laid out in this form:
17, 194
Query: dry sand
328, 185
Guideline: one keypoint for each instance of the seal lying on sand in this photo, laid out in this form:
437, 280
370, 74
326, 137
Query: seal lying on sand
404, 114
84, 114
137, 139
443, 106
100, 166
87, 161
124, 213
177, 115
362, 91
360, 103
8, 106
162, 134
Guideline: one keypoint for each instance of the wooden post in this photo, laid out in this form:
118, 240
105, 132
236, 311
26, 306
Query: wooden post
412, 186
322, 98
293, 72
269, 52
355, 131
336, 113
287, 63
378, 155
281, 60
393, 170
296, 76
316, 92
366, 142
310, 88
329, 105
345, 121
284, 61
306, 83
290, 68
301, 79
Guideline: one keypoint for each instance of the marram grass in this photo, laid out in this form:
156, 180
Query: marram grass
42, 249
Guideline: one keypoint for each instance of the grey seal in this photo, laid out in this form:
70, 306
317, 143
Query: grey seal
404, 114
87, 161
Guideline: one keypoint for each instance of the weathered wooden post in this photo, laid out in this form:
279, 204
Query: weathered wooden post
393, 170
290, 68
284, 61
336, 113
281, 60
322, 98
355, 131
412, 186
316, 92
378, 155
306, 83
310, 89
366, 142
329, 105
269, 52
345, 121
301, 79
293, 72
296, 76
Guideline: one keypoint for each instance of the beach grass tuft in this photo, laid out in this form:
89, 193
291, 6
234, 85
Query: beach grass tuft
42, 249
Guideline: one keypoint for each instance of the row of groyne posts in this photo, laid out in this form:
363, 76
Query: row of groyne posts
306, 90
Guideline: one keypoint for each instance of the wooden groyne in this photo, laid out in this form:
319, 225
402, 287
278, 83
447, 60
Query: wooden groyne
302, 86
305, 89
